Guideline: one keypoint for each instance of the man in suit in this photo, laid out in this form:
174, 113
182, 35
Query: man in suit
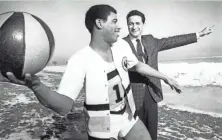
147, 92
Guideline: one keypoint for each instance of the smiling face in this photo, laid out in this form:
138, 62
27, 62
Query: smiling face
135, 26
111, 28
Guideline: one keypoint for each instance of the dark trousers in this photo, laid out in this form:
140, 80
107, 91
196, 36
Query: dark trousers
149, 115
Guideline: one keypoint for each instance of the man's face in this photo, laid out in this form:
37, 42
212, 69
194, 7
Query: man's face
111, 28
135, 26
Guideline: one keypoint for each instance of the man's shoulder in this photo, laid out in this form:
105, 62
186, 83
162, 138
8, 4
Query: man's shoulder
80, 54
120, 44
126, 37
149, 36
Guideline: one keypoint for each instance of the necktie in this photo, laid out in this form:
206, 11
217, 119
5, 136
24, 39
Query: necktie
139, 51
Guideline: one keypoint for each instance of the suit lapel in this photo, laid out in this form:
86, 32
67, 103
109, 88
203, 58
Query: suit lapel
144, 42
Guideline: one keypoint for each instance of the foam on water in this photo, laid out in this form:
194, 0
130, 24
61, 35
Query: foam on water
172, 133
23, 135
21, 98
189, 109
187, 74
175, 134
172, 124
198, 74
55, 68
34, 120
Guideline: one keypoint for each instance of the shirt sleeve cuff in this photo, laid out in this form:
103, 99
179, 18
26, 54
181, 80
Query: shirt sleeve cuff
198, 35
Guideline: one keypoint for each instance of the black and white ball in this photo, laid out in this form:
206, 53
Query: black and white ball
26, 43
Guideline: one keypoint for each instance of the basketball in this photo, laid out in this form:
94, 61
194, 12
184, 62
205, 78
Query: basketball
26, 43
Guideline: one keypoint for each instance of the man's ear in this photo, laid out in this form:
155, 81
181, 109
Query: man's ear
99, 23
144, 23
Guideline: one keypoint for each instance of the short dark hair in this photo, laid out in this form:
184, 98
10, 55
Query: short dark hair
101, 11
136, 13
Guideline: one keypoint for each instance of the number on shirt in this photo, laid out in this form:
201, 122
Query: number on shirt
116, 88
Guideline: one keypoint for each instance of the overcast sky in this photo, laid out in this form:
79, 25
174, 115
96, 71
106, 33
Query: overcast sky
164, 18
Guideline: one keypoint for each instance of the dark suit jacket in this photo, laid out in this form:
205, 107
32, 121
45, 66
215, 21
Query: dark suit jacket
141, 84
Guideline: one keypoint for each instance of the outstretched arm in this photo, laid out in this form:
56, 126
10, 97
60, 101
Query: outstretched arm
146, 70
47, 97
181, 40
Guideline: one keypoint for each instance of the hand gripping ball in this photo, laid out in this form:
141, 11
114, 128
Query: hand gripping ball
26, 43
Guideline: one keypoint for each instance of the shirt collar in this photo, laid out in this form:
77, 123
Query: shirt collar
134, 39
